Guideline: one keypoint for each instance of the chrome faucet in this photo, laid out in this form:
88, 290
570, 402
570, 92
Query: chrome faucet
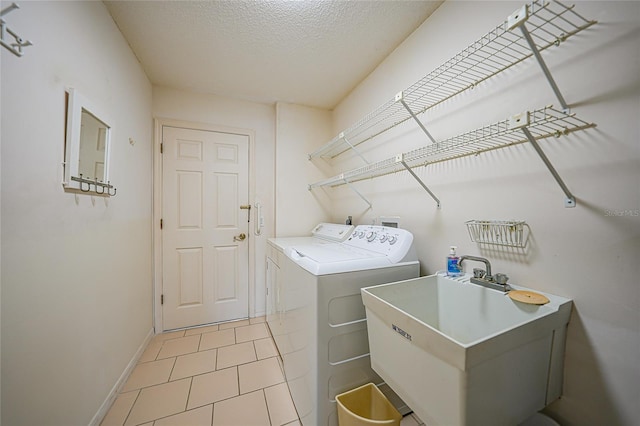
488, 275
480, 277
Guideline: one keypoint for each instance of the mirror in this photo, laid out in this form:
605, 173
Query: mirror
86, 147
93, 140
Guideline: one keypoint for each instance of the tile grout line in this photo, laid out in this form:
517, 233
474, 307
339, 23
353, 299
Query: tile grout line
175, 361
186, 403
131, 408
238, 379
213, 409
199, 343
139, 390
235, 335
255, 351
191, 377
221, 400
266, 403
180, 412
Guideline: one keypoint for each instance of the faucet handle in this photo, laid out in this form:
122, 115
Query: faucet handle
501, 278
478, 273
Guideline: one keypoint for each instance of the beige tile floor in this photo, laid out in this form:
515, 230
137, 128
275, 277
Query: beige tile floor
225, 374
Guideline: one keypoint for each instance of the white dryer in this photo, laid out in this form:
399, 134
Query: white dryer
320, 326
322, 233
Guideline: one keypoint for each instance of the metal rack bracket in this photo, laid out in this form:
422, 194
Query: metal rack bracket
358, 193
15, 46
353, 148
400, 159
570, 200
340, 180
518, 19
521, 121
400, 98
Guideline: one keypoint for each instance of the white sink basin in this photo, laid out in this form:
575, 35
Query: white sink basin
462, 354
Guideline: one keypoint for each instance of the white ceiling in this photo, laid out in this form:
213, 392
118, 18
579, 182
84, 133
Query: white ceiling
309, 52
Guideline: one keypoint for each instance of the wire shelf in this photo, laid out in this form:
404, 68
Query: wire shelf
542, 123
549, 24
500, 233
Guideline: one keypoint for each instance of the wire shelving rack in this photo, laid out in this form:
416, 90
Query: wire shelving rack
547, 24
526, 127
542, 123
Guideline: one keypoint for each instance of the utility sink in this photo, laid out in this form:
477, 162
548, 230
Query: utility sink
461, 354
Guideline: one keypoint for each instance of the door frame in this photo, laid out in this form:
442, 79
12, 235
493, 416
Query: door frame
158, 123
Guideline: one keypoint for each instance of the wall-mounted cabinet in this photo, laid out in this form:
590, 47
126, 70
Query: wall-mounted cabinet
526, 33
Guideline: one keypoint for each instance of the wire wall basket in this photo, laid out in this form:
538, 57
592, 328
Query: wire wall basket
510, 233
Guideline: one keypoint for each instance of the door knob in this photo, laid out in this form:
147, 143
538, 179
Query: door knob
240, 237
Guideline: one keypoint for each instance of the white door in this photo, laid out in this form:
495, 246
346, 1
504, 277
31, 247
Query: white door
205, 250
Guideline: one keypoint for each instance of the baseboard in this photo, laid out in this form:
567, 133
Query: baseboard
104, 408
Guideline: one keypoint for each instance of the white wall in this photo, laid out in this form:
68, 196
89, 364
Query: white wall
298, 130
259, 118
74, 300
76, 275
585, 252
0, 259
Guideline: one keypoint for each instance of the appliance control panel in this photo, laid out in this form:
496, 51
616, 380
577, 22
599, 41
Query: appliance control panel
392, 242
332, 231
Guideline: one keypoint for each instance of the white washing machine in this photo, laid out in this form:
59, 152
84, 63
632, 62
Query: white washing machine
319, 324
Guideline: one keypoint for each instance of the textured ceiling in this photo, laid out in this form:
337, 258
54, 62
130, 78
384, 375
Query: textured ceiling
309, 52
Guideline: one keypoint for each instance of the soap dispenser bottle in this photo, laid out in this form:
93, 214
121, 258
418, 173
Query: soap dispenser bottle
453, 270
